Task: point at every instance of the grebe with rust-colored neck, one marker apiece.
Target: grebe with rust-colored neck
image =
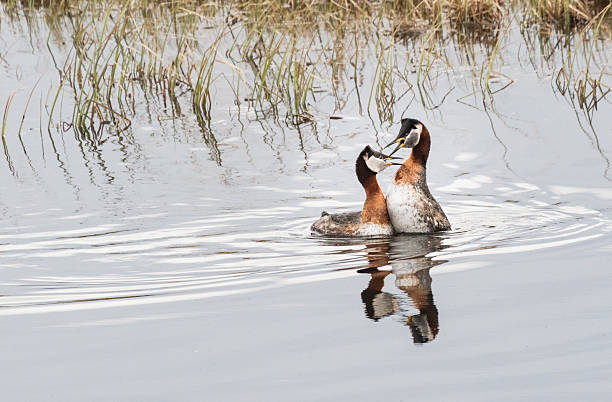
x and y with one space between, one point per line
411 207
373 219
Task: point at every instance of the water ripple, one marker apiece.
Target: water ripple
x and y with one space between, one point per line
157 258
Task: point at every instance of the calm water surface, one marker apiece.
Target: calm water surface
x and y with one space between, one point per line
167 264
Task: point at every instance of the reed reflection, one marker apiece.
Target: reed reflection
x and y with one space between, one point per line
407 258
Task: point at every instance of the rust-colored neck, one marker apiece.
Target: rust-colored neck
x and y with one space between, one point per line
420 152
375 207
413 170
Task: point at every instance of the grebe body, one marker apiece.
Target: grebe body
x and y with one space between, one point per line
350 224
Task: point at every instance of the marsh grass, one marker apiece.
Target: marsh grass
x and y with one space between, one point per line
5 116
565 15
280 57
478 15
575 50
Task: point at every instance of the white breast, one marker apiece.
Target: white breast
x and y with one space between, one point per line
373 229
403 205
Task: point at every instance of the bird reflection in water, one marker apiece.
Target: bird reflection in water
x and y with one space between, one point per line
407 257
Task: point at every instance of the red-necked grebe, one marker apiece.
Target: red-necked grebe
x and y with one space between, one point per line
411 207
373 219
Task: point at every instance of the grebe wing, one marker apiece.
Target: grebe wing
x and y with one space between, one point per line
346 218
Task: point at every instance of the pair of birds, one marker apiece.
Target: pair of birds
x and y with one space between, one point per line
409 206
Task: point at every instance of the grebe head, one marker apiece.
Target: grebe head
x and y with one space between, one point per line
409 135
375 161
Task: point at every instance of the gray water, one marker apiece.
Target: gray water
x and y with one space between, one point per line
163 265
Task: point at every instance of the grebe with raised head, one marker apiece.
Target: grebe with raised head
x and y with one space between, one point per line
373 219
411 207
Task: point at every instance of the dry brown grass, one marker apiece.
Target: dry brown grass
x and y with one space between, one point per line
280 52
480 14
565 15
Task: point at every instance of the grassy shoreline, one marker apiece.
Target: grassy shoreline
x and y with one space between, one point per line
276 56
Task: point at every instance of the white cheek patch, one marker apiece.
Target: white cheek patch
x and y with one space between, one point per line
414 136
376 165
